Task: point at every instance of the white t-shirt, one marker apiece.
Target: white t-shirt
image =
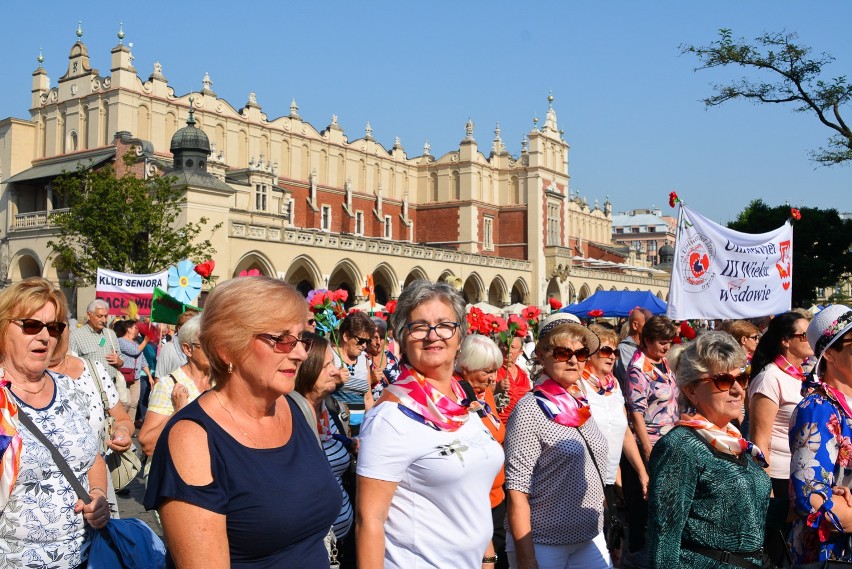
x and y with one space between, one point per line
786 392
608 413
440 514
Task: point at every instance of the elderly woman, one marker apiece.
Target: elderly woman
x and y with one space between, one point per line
356 331
176 390
426 463
317 379
555 459
43 523
820 434
652 405
708 494
773 395
224 471
512 382
477 364
92 379
383 363
135 368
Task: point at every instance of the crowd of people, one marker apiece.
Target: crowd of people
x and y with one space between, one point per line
415 439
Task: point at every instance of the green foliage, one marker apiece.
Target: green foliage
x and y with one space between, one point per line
794 77
125 224
822 245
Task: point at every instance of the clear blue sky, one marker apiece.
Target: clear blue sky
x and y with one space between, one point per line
629 103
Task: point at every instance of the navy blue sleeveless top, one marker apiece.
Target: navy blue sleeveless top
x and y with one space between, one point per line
279 503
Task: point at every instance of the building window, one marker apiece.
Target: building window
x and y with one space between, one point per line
821 292
359 223
325 222
553 233
261 196
619 230
634 230
288 210
652 245
388 227
488 233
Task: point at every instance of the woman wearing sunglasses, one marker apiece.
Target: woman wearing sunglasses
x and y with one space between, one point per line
820 435
42 522
237 475
426 462
708 493
554 459
356 331
772 397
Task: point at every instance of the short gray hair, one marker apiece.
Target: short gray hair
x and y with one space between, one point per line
709 353
96 304
190 331
477 353
418 292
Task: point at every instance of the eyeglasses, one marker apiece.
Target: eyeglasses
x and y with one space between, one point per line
312 322
803 337
362 341
285 343
421 330
725 381
31 326
606 351
561 354
755 337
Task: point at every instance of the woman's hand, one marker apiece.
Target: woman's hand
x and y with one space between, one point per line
120 440
96 512
844 492
356 445
180 396
643 480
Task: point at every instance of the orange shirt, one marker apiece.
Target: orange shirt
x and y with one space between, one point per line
497 494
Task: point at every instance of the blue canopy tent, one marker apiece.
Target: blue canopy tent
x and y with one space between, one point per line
617 303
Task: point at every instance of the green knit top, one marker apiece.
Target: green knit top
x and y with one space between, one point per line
703 497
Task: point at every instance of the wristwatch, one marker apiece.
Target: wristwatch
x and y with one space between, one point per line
491 559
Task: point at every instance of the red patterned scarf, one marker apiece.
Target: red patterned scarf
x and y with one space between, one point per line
566 407
420 397
789 368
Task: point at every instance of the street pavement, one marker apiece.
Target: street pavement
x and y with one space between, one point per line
130 506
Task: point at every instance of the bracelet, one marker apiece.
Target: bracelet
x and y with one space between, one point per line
492 559
122 428
101 490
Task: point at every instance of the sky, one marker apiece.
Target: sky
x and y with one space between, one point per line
628 101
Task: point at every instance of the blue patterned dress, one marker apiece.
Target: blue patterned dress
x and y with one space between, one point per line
821 445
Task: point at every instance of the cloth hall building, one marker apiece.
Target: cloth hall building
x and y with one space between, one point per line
308 204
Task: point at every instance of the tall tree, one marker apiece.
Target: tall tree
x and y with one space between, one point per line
822 245
792 76
126 224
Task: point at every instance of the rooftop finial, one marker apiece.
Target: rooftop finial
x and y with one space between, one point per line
550 99
79 29
120 33
40 58
190 120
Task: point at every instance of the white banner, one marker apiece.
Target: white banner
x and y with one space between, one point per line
118 289
722 273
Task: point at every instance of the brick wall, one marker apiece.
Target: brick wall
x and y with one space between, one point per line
436 224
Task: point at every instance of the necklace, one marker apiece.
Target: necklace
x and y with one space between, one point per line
237 425
36 392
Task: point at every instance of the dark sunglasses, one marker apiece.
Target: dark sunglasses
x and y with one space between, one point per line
362 341
725 381
564 354
286 343
606 351
803 337
31 326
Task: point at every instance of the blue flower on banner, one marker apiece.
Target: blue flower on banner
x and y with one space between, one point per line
184 283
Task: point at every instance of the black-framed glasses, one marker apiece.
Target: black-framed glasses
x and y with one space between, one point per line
725 381
754 337
606 351
361 340
312 321
421 330
31 326
561 354
285 343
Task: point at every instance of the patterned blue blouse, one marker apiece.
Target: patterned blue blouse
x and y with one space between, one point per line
821 445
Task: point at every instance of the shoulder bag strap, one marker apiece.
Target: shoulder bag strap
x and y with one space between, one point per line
303 404
594 461
93 371
57 457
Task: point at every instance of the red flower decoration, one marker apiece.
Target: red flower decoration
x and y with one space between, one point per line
390 307
339 295
596 313
687 331
205 269
554 303
495 324
795 214
250 273
474 320
531 313
519 324
673 199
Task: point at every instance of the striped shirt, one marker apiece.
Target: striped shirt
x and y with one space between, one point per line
339 460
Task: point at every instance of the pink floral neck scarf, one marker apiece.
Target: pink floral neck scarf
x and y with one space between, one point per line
566 407
789 368
428 405
727 440
603 386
